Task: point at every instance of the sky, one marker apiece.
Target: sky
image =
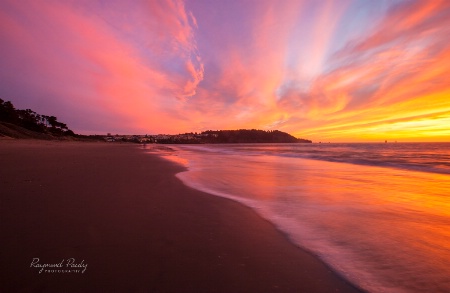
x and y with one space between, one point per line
330 71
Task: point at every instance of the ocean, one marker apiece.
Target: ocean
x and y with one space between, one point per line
377 214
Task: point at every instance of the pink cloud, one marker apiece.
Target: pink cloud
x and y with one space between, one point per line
84 62
403 23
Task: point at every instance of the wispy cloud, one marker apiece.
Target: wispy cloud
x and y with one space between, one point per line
122 63
396 70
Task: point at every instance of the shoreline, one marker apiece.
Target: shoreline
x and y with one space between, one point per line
137 227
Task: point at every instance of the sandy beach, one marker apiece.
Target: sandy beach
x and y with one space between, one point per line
120 216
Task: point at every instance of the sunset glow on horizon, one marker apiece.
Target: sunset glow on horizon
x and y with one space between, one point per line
338 71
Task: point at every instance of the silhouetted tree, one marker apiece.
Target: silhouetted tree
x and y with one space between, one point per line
7 111
32 120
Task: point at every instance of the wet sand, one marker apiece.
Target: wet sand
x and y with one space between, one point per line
123 216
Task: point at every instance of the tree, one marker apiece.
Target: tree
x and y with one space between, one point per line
31 120
7 111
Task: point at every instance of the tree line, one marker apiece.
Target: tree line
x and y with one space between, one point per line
250 136
31 120
228 136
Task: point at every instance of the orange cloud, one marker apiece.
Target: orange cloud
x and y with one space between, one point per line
394 85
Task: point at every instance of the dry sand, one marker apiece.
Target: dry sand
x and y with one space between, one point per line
126 216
